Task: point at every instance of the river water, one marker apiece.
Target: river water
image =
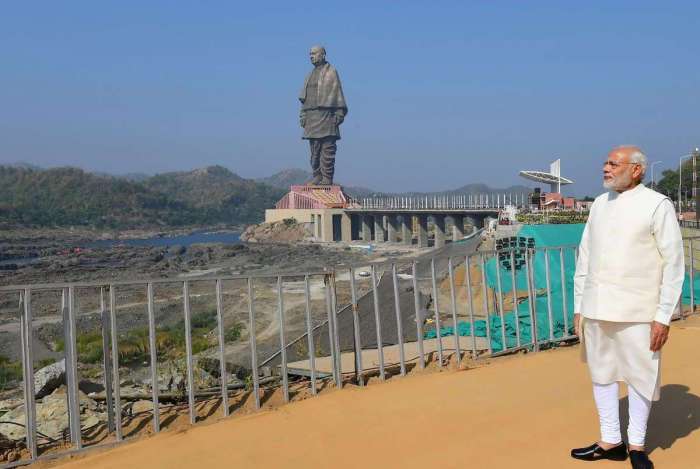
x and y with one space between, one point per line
183 240
164 241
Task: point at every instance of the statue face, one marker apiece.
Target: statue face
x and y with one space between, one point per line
317 56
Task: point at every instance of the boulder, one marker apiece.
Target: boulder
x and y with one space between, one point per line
51 416
47 379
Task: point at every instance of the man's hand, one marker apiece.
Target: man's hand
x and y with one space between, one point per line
577 324
339 119
659 336
302 121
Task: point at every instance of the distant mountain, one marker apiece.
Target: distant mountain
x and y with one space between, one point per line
217 194
71 196
134 177
475 188
286 178
294 176
21 165
484 189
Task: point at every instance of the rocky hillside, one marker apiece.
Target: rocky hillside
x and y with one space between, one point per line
285 231
73 197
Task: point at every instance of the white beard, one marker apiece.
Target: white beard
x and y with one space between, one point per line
619 182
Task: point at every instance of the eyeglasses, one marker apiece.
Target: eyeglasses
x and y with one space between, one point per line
614 164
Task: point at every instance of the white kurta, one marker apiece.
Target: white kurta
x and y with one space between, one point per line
629 273
619 351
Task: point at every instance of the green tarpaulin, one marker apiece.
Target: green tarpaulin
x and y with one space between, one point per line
543 236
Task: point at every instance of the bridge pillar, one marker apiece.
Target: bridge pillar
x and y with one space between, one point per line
379 229
475 222
406 229
439 222
367 221
422 231
457 227
392 226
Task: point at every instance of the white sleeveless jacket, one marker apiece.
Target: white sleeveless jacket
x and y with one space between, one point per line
630 265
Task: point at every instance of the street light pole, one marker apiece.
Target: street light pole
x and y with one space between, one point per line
653 180
680 178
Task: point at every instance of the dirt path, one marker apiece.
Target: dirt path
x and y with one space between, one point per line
524 411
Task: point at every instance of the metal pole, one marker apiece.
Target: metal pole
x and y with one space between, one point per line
470 301
253 347
72 374
485 302
453 304
531 299
419 320
309 335
283 340
222 348
563 292
436 308
359 370
106 361
377 322
154 358
336 338
28 372
514 290
188 351
499 293
331 335
692 277
399 326
549 294
115 362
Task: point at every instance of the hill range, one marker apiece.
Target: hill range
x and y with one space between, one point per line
60 197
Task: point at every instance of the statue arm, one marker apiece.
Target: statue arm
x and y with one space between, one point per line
339 114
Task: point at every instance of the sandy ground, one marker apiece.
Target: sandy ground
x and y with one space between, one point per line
520 411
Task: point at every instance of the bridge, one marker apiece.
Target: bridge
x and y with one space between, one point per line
334 216
398 219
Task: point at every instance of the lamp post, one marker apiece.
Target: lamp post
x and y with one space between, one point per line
680 178
653 180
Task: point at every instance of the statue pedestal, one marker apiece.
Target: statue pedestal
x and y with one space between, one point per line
322 208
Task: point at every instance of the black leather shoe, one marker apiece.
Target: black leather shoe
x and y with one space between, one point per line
595 452
640 460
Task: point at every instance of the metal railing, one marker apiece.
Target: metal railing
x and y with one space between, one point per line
384 318
446 202
690 224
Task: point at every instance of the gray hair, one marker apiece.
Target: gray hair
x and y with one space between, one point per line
638 157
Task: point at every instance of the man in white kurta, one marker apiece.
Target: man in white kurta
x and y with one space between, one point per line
627 285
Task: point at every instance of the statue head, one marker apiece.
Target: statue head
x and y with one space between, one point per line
318 55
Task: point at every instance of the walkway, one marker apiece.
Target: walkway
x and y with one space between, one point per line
522 411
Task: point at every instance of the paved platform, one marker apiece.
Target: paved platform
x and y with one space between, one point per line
524 411
370 357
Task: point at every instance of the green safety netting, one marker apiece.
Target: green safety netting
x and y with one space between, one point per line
557 236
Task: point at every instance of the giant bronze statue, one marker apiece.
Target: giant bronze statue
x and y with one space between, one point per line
323 109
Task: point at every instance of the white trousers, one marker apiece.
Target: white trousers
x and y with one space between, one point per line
606 399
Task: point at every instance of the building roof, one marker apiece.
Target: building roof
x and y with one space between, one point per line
549 178
315 197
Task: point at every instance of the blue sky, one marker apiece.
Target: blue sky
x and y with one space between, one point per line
440 94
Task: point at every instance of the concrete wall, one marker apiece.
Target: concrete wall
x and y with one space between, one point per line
300 215
321 221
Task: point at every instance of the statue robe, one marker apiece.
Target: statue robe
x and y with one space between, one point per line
323 103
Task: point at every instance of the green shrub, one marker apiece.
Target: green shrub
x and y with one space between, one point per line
10 372
233 332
